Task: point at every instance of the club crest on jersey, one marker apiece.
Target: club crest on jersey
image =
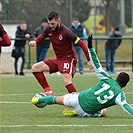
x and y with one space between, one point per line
60 37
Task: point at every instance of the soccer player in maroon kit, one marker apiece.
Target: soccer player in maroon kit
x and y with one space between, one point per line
62 39
5 40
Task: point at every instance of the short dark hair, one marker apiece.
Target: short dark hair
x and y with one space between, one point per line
123 78
76 18
54 15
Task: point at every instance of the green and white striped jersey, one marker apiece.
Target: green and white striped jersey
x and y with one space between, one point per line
105 93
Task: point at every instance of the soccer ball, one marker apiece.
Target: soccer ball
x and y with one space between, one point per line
39 95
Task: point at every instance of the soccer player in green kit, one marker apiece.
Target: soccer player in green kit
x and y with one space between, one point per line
93 101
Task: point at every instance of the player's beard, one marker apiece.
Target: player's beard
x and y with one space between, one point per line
56 29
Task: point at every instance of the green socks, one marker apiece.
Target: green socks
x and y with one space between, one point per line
47 99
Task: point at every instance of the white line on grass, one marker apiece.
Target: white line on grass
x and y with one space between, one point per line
15 102
5 102
16 126
128 93
2 95
16 94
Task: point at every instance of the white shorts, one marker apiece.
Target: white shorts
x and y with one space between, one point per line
71 100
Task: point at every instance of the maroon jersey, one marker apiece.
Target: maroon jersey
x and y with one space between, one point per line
62 41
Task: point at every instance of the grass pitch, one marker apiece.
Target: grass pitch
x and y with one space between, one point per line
18 115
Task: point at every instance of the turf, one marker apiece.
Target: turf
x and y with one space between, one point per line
18 115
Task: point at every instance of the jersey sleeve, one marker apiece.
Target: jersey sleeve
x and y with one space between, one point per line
77 41
39 39
101 74
42 36
80 43
121 101
70 36
5 40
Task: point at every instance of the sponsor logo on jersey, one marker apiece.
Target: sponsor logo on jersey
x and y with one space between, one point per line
50 34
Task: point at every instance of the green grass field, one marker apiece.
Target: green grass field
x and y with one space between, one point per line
18 115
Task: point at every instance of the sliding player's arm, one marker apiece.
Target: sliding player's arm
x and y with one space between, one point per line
121 101
101 74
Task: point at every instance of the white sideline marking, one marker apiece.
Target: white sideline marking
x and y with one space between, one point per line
15 102
16 94
128 93
122 125
6 102
23 94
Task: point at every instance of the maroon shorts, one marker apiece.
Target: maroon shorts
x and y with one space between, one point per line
66 66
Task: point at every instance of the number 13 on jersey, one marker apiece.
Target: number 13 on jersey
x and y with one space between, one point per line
104 95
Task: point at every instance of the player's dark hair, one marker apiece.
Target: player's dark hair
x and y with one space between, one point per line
122 79
54 15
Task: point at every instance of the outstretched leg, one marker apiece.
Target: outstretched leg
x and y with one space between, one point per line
49 100
37 70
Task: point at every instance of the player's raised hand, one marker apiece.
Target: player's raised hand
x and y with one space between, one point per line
32 43
89 40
